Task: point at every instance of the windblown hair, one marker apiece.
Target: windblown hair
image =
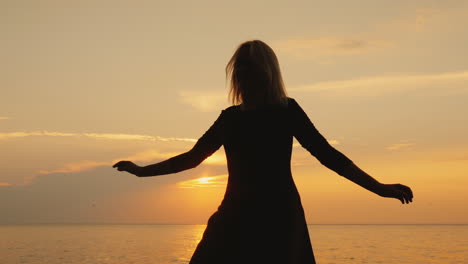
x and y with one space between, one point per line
255 76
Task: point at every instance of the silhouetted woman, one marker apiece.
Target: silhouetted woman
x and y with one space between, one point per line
261 219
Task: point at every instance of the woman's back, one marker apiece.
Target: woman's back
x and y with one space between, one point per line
258 145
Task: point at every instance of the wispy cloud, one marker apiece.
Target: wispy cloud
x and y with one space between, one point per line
93 135
135 137
144 156
204 101
85 165
4 117
205 182
399 146
329 45
75 167
379 37
446 82
378 85
71 167
4 184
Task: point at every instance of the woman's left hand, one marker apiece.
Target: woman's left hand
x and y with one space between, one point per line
398 191
127 166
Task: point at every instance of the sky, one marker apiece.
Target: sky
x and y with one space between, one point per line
87 83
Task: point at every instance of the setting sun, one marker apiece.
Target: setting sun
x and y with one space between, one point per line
208 181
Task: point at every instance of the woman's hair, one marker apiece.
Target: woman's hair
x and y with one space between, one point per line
255 76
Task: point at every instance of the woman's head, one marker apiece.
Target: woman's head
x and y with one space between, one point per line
255 76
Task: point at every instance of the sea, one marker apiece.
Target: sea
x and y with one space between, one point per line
164 244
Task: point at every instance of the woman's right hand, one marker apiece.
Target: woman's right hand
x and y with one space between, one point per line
128 166
398 191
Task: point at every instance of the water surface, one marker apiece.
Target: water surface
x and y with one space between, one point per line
164 244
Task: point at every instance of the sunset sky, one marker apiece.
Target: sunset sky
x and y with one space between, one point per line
87 83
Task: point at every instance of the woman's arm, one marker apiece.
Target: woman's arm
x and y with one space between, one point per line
175 164
361 178
311 139
205 146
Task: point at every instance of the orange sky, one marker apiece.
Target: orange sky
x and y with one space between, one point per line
84 84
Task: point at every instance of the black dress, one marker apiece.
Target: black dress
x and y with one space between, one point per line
261 219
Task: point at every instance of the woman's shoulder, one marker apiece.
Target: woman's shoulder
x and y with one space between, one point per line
290 103
231 108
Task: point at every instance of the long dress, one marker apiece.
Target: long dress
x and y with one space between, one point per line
261 218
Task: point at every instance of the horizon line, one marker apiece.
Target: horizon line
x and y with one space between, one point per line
104 223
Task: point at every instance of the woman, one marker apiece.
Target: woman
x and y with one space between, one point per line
261 219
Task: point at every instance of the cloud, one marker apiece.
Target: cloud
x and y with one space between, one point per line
399 146
4 184
145 156
9 135
205 182
4 117
379 85
329 45
204 101
76 167
72 167
93 135
379 37
86 165
446 82
135 137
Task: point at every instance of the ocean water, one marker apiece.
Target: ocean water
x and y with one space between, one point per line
164 244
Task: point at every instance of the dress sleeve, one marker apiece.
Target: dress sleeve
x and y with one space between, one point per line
311 139
212 139
206 145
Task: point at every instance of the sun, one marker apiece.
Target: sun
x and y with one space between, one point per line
204 180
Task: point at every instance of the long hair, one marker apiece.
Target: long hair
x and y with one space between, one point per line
255 76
